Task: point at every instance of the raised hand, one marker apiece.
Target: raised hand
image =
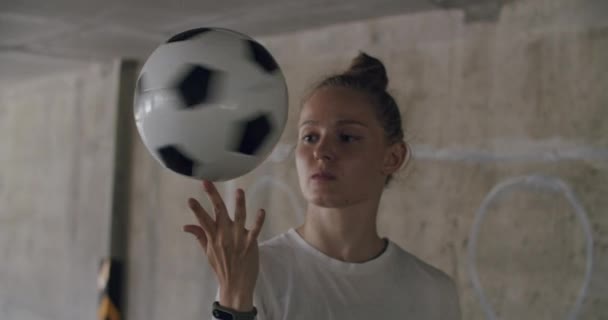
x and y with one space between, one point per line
231 249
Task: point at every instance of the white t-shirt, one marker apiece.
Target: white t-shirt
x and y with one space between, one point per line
299 282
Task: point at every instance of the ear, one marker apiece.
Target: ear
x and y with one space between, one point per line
396 155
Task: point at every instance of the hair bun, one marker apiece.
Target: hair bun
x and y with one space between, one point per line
368 70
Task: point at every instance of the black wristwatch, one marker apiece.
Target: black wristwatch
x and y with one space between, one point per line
224 313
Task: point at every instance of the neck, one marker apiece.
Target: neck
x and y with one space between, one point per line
346 234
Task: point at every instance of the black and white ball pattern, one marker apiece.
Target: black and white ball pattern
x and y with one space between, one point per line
210 104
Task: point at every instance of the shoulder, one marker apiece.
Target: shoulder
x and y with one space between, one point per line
424 269
437 283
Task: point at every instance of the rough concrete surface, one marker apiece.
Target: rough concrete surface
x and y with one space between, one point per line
57 150
483 103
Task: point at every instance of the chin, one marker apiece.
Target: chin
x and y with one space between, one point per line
328 201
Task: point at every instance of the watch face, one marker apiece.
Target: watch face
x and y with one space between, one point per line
222 315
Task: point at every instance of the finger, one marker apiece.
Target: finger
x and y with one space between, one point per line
221 214
259 222
240 214
198 232
205 221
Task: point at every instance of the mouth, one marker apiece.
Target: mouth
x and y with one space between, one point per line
323 176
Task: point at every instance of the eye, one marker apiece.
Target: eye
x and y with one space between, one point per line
348 138
309 138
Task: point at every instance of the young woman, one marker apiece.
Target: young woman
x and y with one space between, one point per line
335 265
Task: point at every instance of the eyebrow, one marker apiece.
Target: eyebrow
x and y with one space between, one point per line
339 122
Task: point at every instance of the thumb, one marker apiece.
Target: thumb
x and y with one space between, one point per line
198 232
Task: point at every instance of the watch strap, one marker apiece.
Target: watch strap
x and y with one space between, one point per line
225 313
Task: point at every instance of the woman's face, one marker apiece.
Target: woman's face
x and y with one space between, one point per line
341 154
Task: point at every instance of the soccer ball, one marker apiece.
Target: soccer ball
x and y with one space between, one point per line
210 104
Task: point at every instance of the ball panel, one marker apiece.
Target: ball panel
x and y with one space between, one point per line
254 132
232 166
196 86
176 160
200 133
262 57
189 34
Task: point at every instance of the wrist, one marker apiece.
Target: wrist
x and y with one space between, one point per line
236 300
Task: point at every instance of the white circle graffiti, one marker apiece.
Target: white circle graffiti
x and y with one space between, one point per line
535 181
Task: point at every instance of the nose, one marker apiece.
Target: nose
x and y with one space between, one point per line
324 150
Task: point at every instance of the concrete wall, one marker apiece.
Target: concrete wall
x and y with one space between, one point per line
57 138
483 104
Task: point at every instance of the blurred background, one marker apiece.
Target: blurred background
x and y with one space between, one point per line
505 103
